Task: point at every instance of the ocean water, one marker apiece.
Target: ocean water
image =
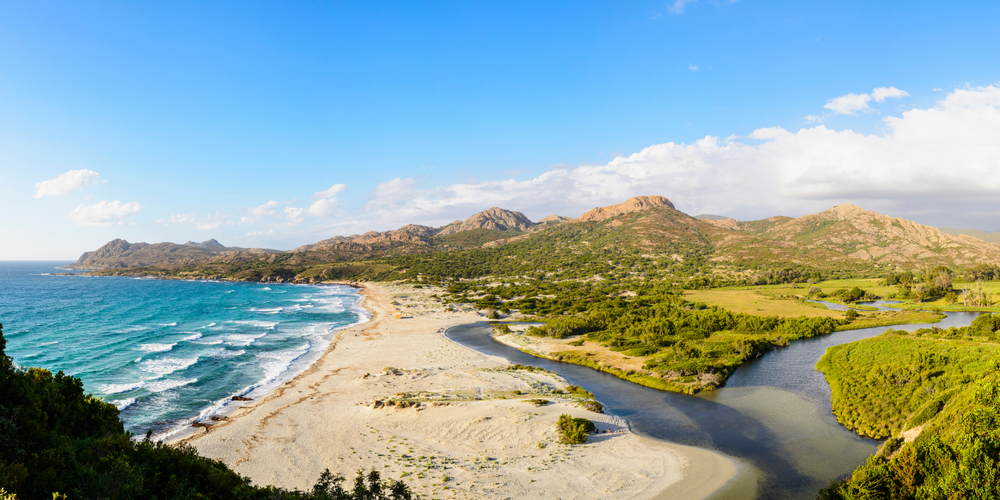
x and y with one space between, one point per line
168 352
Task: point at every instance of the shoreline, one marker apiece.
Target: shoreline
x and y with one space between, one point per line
225 407
465 426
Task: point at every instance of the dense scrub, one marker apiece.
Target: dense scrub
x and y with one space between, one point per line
689 345
956 456
945 380
878 384
56 438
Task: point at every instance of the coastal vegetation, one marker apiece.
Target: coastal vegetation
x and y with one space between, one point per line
56 438
935 393
574 430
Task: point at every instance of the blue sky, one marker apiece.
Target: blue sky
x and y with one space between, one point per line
172 121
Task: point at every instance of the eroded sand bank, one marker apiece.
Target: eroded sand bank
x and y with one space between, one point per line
474 434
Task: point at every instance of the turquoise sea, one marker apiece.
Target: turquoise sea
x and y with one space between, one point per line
168 352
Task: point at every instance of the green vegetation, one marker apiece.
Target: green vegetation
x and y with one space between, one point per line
688 347
878 383
574 430
957 458
56 438
940 385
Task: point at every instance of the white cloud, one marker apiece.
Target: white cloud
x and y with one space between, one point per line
103 213
848 104
391 193
678 6
813 118
881 93
692 67
938 160
74 179
851 104
253 214
323 208
202 223
294 215
329 193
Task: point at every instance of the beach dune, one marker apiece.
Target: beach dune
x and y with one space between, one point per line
395 395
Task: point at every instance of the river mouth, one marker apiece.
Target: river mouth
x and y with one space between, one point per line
773 415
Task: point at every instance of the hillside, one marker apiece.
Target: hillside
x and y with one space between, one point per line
118 253
848 233
642 235
993 237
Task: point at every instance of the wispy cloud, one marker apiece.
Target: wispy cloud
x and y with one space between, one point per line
329 193
880 94
851 104
692 67
104 213
69 181
678 6
200 222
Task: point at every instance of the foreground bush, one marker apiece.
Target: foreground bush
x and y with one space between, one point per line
56 438
574 430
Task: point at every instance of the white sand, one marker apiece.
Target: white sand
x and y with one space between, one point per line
485 442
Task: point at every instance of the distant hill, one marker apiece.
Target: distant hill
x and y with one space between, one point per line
710 217
119 254
649 228
993 237
852 232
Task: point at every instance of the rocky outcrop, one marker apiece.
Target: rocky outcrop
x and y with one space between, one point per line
410 233
496 219
211 245
856 233
726 223
636 204
119 254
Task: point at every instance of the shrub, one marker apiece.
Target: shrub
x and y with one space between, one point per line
574 430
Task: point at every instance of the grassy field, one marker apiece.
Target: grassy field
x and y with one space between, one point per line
762 302
778 300
755 300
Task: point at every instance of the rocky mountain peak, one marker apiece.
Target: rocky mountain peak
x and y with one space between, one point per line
496 218
846 211
635 204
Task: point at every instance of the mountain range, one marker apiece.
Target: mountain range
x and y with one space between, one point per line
842 237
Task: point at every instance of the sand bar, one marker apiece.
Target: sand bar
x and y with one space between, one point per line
466 428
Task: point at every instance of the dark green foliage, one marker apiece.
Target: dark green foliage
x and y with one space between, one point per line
501 329
852 295
55 437
574 430
879 384
982 272
894 279
957 459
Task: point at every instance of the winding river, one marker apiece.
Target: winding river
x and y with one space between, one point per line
773 416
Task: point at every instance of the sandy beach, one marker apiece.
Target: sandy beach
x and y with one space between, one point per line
460 424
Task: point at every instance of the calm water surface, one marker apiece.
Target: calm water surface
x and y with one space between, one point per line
773 416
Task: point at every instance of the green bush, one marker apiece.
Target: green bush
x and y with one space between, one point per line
574 430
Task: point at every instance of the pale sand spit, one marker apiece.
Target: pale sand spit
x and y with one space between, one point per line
471 436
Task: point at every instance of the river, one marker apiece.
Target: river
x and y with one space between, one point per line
773 416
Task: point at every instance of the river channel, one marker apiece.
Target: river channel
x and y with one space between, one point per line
773 416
